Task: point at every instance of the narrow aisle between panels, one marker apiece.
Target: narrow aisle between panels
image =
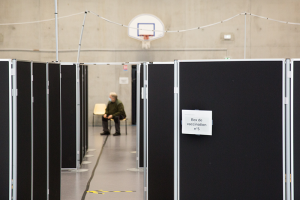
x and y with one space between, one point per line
112 179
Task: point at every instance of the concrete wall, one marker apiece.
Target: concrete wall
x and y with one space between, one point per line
104 79
105 42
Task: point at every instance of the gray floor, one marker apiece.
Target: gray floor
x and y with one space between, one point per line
111 173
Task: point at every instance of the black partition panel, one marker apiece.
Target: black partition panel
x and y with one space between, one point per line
68 104
141 150
83 111
243 157
5 129
161 131
24 142
296 126
133 93
39 131
54 132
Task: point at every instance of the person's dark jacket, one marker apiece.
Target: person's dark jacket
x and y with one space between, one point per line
115 108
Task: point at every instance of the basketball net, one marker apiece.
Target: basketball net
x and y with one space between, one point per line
145 42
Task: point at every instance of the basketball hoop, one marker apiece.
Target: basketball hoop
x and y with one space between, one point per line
146 37
145 41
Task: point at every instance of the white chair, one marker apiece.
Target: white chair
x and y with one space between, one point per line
99 109
125 119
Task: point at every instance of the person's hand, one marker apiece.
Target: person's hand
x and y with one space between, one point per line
105 116
110 117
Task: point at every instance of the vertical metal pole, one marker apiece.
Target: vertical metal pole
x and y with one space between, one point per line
86 108
56 30
288 133
47 99
77 115
13 132
292 130
145 131
60 125
78 97
176 131
79 46
245 42
138 96
147 100
32 102
283 130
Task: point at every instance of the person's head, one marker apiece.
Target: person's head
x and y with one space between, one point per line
113 96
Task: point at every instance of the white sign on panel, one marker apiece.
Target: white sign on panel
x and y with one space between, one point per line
197 122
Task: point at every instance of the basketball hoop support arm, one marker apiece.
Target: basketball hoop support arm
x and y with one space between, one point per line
79 46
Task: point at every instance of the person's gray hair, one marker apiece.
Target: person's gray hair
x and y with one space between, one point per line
114 95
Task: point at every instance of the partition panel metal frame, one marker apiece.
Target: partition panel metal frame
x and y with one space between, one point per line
177 120
47 125
146 98
292 128
83 112
113 63
86 108
145 91
176 132
12 123
13 130
78 99
138 98
77 113
60 120
138 107
32 101
288 127
54 131
14 75
77 116
13 93
47 103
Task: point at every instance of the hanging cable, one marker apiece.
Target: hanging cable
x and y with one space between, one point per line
196 28
46 20
275 20
166 31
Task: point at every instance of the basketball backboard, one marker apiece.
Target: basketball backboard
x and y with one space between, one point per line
146 27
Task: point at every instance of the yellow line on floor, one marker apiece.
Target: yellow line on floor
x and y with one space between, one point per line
103 192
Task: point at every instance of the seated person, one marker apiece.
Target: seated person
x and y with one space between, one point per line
114 110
